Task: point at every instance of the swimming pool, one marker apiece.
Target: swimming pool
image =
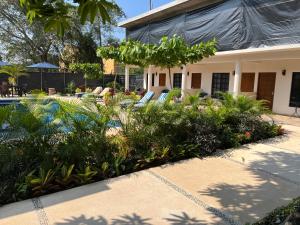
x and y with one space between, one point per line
47 111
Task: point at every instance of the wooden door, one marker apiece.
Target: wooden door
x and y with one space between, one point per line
162 79
247 83
266 87
196 81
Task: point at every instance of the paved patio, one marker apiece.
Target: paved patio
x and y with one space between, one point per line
239 186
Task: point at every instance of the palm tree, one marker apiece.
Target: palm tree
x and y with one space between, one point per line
14 71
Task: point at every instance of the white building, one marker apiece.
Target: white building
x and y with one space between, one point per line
258 48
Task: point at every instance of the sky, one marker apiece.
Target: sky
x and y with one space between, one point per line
135 7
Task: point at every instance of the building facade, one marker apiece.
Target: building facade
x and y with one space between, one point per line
258 48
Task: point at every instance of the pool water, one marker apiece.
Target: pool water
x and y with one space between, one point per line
49 108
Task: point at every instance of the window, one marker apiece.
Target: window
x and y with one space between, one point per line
220 83
177 80
153 79
162 79
247 83
295 90
196 81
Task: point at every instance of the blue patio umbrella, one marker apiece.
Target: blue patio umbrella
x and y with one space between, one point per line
41 66
2 63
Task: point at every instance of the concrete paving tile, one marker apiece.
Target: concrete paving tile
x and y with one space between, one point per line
236 189
20 213
290 141
283 163
295 121
134 199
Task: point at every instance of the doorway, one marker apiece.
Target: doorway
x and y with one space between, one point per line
266 87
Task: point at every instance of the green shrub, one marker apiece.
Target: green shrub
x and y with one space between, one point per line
70 144
71 87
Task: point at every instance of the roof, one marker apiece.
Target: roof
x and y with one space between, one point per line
165 11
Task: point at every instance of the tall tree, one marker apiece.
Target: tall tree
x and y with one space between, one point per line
25 42
21 40
170 52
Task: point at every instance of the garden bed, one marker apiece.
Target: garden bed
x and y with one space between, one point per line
65 145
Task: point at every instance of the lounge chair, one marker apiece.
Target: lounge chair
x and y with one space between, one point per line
162 98
147 97
96 93
104 92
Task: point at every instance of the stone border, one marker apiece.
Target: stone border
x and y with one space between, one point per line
40 211
224 216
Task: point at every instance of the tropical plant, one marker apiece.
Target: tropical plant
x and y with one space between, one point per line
71 87
66 177
55 13
169 53
75 144
14 71
42 183
242 104
174 52
174 94
86 175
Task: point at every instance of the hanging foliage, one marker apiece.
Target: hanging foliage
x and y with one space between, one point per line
169 53
55 13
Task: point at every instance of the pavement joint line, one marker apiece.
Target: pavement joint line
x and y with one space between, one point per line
263 171
224 216
40 211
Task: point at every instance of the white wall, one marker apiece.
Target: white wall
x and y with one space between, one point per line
282 85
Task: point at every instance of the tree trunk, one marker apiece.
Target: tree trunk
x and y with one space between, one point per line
44 57
171 85
100 43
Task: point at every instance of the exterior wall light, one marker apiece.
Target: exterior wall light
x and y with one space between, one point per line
283 72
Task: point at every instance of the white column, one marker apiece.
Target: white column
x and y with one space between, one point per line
145 80
149 78
127 77
256 82
237 78
183 81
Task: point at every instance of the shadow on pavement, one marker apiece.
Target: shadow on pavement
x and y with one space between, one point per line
250 202
132 219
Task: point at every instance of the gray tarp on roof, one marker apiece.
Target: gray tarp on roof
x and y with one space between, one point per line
236 24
